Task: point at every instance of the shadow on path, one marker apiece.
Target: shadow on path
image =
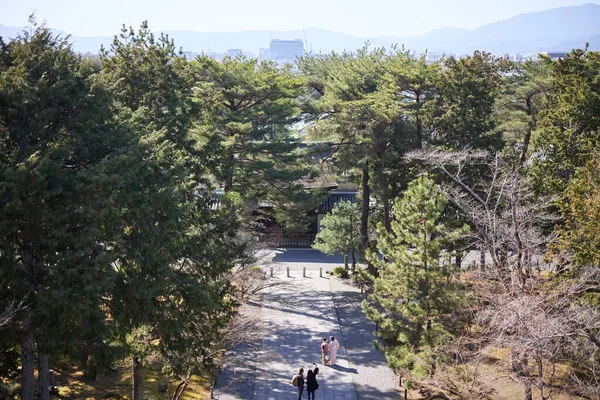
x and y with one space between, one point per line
296 316
305 256
343 369
372 378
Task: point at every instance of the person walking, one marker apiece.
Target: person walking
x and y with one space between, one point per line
311 382
324 351
334 346
300 383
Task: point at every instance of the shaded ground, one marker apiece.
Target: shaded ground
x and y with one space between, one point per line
296 316
373 380
118 385
296 259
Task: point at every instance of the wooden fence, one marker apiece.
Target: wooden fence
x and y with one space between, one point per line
290 240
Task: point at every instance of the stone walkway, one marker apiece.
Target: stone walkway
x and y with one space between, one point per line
373 380
296 316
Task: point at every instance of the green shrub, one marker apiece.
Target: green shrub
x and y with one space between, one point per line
163 386
341 271
4 393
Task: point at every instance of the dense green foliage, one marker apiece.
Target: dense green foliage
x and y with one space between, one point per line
461 113
415 289
57 141
340 231
130 184
246 114
498 135
581 210
568 126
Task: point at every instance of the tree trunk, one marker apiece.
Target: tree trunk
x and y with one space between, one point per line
419 133
43 381
353 261
418 120
387 218
138 378
527 137
27 357
228 184
515 360
90 372
540 365
179 390
528 391
482 258
519 363
364 217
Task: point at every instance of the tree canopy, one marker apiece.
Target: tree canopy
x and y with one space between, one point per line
134 186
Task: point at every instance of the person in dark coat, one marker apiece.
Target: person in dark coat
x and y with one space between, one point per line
300 383
311 383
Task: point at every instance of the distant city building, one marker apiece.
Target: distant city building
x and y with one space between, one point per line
264 54
286 50
233 53
214 55
555 55
189 55
433 56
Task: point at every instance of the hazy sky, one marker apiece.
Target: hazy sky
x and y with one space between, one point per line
356 17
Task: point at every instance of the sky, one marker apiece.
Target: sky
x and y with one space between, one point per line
361 18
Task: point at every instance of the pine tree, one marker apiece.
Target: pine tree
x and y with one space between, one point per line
579 235
461 113
172 244
56 131
568 127
247 110
340 231
522 98
415 291
365 123
411 82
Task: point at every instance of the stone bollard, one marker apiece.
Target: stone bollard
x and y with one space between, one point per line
288 271
304 272
271 272
321 272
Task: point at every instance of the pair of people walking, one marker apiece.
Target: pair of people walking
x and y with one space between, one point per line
328 357
311 383
329 351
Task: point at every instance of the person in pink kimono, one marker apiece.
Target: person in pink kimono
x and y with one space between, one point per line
334 346
325 352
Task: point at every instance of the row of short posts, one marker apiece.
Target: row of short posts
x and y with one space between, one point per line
303 272
288 271
405 389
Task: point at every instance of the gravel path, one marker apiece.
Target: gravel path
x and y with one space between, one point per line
373 380
296 315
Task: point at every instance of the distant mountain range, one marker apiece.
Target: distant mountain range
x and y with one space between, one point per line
558 29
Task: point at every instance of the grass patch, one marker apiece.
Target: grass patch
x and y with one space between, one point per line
118 385
341 272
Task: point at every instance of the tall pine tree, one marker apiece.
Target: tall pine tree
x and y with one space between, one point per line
415 290
245 123
341 231
56 133
172 244
568 125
